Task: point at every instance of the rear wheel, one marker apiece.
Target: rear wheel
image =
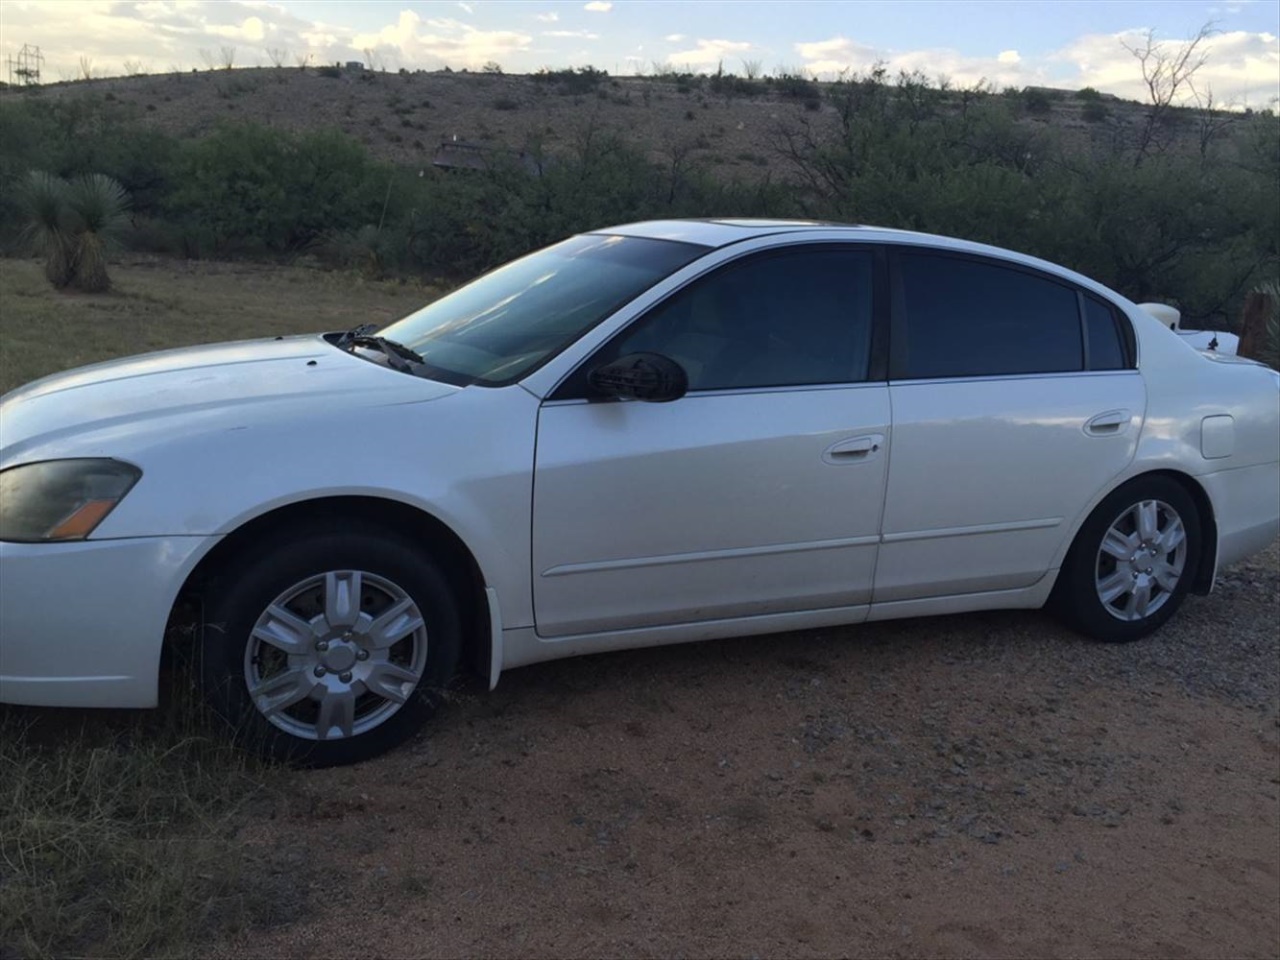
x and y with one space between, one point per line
1132 562
331 648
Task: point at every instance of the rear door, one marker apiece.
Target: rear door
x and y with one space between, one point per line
1015 400
760 491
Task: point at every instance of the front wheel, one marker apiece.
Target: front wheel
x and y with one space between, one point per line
1132 562
329 649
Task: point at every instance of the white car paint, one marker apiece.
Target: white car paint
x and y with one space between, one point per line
1217 341
938 515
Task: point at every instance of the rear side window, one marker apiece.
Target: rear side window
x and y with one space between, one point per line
1105 349
971 318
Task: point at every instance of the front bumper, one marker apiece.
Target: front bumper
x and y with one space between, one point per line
82 624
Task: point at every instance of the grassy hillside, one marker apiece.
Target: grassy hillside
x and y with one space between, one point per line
731 125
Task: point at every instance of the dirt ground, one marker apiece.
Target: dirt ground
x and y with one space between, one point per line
986 785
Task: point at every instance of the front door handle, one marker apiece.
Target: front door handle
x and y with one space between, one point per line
854 449
1109 424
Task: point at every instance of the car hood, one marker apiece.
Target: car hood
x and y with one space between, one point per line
109 407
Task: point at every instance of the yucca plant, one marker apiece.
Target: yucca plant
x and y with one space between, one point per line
47 231
73 225
98 211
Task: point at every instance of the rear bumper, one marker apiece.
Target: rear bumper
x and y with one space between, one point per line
82 624
1246 507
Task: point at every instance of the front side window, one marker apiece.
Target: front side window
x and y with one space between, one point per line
972 318
500 327
782 319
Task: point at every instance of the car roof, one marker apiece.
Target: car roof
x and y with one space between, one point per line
718 232
722 232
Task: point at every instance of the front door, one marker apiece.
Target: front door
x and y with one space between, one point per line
758 492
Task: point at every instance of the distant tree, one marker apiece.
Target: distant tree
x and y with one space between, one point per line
277 56
1169 74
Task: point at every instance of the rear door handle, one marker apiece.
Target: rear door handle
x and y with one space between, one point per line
854 449
1109 424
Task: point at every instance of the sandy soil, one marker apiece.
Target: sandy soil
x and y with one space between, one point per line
987 785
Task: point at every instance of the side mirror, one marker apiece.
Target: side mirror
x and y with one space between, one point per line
640 376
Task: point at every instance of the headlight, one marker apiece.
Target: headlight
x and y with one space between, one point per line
61 499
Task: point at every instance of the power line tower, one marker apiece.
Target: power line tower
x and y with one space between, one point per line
24 69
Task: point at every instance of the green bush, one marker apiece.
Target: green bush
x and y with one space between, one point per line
1036 101
253 189
572 81
794 86
1095 111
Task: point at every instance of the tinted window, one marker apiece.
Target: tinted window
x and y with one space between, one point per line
501 326
967 318
784 319
1105 351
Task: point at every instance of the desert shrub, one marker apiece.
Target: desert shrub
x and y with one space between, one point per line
794 86
332 71
257 189
1095 111
1036 101
1088 93
73 137
506 103
571 81
729 85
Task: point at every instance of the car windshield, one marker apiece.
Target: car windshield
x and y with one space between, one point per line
501 326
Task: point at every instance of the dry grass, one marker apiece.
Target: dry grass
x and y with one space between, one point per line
157 304
119 836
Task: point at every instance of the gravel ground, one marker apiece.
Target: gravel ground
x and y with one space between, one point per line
985 785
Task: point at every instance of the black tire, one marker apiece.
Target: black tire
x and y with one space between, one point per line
390 567
1078 594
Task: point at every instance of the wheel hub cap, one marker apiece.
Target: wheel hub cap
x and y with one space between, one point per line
339 657
1141 560
335 655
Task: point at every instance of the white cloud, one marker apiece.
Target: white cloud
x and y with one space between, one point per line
411 39
709 53
466 7
673 37
598 6
582 34
551 17
826 58
1241 68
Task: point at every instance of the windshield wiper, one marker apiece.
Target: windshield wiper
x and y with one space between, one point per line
396 353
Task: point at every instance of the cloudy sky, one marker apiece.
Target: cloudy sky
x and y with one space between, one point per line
1066 43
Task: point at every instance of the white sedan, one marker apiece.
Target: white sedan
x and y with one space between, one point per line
650 434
